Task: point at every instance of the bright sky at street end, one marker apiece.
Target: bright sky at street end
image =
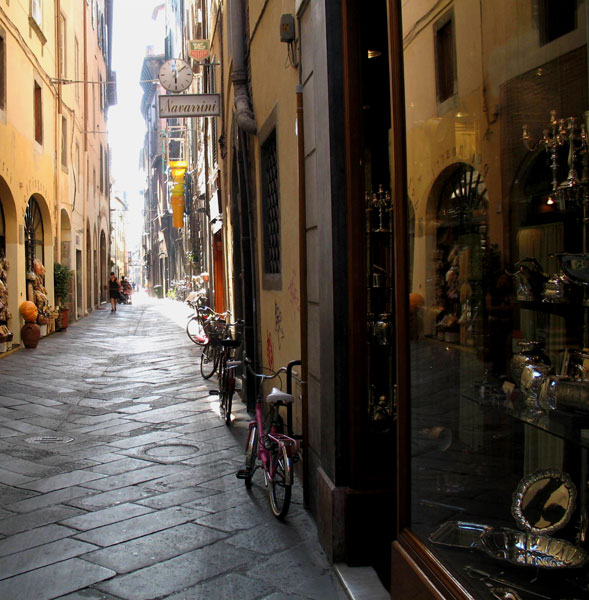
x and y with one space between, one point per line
133 31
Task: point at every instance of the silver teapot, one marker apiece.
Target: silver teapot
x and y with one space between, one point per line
529 279
531 353
557 289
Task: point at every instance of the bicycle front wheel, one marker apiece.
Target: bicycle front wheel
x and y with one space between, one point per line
195 331
280 488
251 454
208 361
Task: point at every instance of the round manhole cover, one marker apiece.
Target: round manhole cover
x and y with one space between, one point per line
45 440
171 451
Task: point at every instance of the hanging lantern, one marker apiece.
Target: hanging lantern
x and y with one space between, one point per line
177 170
178 211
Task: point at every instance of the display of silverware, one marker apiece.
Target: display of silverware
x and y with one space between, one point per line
531 550
533 376
529 279
557 289
563 393
576 364
576 266
531 353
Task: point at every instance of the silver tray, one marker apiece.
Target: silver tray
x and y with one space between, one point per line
458 534
530 549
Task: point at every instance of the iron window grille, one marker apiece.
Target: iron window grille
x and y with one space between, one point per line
270 206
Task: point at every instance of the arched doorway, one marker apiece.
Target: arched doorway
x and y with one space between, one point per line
88 270
461 254
102 266
66 239
9 292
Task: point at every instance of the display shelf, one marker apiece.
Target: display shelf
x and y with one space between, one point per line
569 426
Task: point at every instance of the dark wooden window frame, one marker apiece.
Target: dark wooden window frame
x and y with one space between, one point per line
38 111
445 57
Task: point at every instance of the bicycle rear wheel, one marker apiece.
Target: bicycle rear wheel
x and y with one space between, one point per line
208 361
251 454
195 331
280 488
228 396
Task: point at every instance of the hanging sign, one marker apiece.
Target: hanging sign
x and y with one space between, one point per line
199 49
189 105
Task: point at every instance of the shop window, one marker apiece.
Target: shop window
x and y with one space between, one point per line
34 234
101 180
445 49
270 206
38 108
37 12
64 142
557 18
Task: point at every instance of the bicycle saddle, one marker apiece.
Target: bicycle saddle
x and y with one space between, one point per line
277 395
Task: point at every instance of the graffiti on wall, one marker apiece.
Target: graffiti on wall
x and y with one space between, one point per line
269 350
294 291
278 324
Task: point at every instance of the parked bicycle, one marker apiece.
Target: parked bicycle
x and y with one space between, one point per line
228 361
216 328
270 448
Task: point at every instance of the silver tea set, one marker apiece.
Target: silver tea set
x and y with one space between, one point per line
542 387
569 286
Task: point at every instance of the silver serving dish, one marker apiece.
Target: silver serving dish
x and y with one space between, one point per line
531 550
532 378
458 534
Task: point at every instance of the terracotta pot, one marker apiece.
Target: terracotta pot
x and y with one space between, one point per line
30 335
63 321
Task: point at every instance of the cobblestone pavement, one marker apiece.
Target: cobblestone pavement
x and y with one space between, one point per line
117 475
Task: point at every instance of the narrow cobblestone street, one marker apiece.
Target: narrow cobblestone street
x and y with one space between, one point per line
117 475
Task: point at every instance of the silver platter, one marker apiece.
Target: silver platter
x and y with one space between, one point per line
530 549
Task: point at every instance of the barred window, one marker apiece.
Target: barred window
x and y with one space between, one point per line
270 206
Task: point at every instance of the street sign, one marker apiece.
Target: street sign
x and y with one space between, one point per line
189 105
199 49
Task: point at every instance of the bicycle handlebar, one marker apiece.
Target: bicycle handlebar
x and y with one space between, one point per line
262 376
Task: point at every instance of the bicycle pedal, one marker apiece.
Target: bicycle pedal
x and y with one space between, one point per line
242 474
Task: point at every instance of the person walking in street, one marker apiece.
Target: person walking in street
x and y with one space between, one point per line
113 291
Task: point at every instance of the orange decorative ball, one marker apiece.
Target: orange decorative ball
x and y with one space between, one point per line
415 302
29 311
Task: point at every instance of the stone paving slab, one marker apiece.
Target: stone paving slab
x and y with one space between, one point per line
34 537
139 526
53 581
41 556
155 548
178 573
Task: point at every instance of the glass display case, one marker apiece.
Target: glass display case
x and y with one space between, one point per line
497 171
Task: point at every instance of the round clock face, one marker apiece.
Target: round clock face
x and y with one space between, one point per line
176 75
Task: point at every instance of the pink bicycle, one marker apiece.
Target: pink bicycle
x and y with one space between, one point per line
270 448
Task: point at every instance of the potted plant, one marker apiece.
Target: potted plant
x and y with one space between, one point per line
62 277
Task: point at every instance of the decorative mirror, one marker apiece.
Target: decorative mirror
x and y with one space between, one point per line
544 501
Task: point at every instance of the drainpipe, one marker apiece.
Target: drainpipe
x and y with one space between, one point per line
243 113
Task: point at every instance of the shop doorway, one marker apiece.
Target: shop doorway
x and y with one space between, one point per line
219 272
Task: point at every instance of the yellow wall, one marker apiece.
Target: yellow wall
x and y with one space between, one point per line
274 103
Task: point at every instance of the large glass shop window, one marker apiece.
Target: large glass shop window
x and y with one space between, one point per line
498 189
